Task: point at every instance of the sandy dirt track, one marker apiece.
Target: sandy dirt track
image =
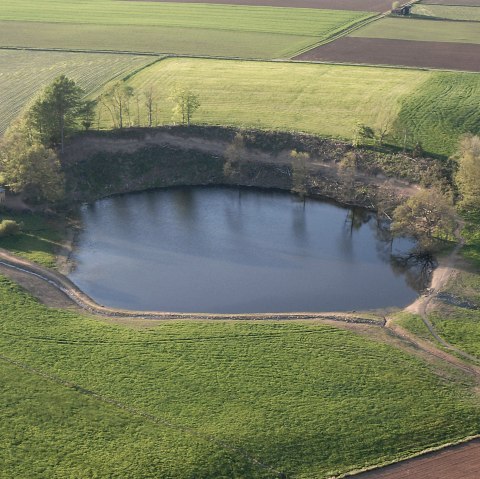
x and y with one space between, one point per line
456 462
379 51
355 5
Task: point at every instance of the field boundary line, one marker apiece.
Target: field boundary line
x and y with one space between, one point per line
138 412
167 56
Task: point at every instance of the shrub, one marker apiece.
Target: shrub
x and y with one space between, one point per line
9 228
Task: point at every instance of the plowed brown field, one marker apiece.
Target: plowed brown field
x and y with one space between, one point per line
355 5
456 462
379 51
468 3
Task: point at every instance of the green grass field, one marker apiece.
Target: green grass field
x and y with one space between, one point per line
23 74
302 398
200 29
137 38
324 99
421 30
442 110
448 12
328 100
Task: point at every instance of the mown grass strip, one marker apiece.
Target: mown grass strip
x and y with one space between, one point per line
148 39
448 12
293 21
421 30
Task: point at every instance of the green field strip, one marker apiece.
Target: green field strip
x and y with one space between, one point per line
23 74
446 12
160 40
421 30
323 99
292 21
441 110
309 399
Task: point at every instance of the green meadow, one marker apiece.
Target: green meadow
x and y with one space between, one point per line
212 399
448 12
442 110
324 99
23 74
421 30
329 100
151 39
206 29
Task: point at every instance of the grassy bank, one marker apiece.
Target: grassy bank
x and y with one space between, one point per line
39 239
307 399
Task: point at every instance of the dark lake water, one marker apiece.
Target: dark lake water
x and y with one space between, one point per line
227 250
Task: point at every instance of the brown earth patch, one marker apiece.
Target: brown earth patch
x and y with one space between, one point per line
355 5
379 51
456 462
459 3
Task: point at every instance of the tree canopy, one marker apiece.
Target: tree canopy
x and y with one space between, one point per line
58 111
27 166
426 216
468 174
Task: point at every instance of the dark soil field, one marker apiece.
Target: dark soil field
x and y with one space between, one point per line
468 3
458 462
355 5
378 51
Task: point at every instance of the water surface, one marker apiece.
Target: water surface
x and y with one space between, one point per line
228 250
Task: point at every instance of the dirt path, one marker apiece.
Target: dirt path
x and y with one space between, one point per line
461 461
317 166
441 276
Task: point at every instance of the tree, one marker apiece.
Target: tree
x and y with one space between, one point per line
468 173
186 103
117 101
426 216
299 173
150 100
29 167
58 111
362 134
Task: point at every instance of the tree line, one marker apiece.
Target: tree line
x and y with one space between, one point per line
430 216
30 148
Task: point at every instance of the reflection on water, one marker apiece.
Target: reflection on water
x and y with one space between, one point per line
216 250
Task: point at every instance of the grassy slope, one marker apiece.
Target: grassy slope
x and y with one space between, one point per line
308 399
461 326
421 30
263 32
442 109
198 41
23 74
448 12
324 99
39 240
